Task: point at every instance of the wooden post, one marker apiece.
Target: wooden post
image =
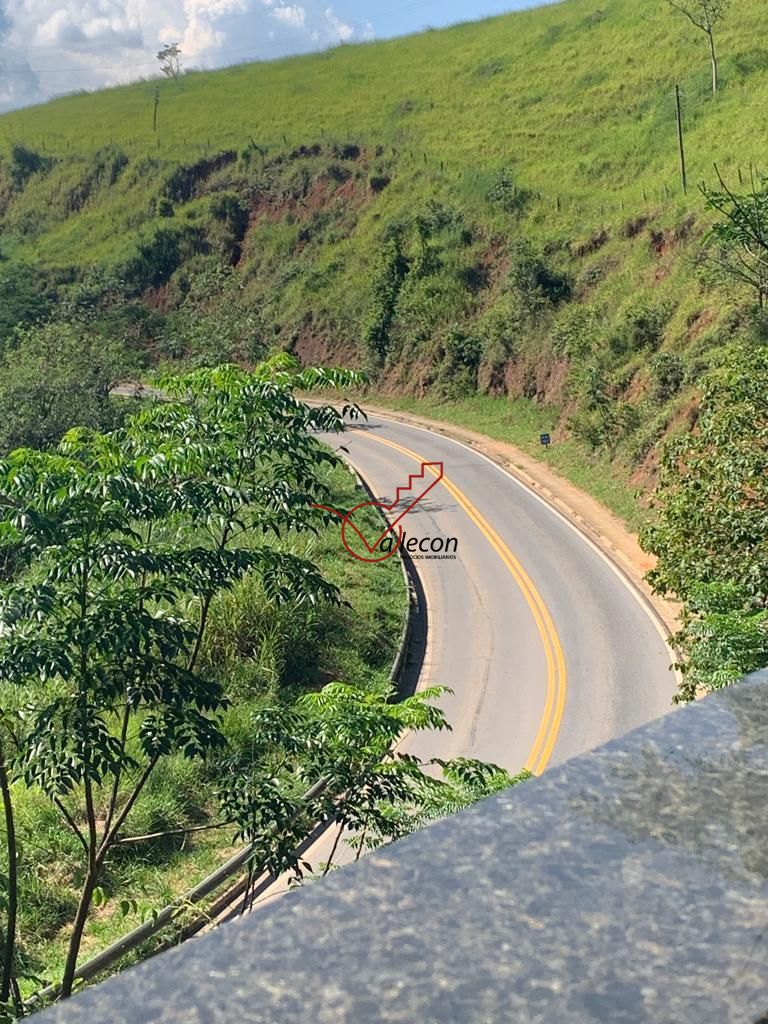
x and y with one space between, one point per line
154 112
680 145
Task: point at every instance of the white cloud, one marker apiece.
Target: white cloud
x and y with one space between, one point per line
52 46
339 29
289 14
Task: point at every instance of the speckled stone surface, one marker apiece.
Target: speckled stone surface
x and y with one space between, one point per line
630 885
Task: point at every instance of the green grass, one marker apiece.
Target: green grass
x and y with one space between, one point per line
573 103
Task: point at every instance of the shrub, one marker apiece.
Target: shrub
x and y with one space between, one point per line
53 378
26 162
457 374
574 331
639 327
508 196
536 284
389 273
23 300
667 373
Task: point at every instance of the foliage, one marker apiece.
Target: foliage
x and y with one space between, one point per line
53 377
536 284
348 738
25 162
389 274
212 323
639 327
736 247
574 332
23 300
668 373
128 538
724 637
457 375
711 519
170 60
711 524
504 193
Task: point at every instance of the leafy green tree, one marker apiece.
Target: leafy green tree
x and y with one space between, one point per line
127 538
711 524
373 792
54 377
724 637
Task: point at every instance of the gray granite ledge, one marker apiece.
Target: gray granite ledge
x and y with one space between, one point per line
629 885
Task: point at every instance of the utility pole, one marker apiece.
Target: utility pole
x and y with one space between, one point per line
154 112
680 139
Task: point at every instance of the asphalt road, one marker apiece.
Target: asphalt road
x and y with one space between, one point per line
548 649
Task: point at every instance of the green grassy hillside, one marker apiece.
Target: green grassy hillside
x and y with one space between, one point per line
492 207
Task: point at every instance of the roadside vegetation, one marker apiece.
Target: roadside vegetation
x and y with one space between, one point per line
182 658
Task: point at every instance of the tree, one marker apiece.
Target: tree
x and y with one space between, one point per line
372 792
127 538
736 248
712 521
53 377
723 638
705 15
170 60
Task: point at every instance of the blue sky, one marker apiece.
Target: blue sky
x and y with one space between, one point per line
48 47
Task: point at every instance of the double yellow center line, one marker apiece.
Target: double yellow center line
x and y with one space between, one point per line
554 707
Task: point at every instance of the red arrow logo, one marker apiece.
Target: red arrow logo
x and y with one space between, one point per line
417 487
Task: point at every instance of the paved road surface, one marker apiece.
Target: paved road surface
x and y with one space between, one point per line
547 648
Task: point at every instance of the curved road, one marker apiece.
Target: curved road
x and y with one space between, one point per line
548 649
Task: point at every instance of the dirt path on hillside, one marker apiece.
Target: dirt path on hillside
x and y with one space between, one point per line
602 527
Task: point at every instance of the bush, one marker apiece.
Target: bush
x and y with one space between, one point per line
508 196
499 331
389 273
574 331
457 373
53 378
26 162
639 327
536 284
23 300
667 373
